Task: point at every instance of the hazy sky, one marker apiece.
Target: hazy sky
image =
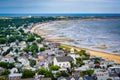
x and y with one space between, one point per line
59 6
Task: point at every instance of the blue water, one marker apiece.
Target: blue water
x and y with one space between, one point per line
97 15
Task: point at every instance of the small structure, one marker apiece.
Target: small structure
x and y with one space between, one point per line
14 75
72 50
24 61
40 56
71 78
45 79
63 61
101 74
114 72
76 78
83 68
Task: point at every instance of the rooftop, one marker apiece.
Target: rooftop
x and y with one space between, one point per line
64 58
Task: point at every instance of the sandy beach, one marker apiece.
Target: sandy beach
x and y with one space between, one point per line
105 55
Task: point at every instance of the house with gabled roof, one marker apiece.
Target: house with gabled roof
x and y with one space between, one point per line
63 61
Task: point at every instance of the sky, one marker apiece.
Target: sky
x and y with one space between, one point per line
59 6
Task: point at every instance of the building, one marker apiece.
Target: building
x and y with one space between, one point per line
24 61
101 74
63 61
114 72
14 75
76 78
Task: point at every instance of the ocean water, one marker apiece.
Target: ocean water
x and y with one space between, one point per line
97 15
101 35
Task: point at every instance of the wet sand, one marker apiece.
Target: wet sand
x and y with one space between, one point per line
107 56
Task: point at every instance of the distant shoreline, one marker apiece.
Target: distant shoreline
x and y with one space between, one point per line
105 55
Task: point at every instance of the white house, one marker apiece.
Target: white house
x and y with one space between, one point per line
82 68
114 72
14 75
9 60
63 61
24 61
101 74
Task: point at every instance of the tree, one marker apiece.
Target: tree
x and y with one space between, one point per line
82 52
72 64
42 71
90 72
11 39
3 64
52 67
42 49
63 74
36 35
109 79
5 72
46 73
11 65
27 48
34 48
2 78
32 62
58 74
16 50
21 30
39 40
3 40
7 65
87 72
30 38
28 73
19 38
79 62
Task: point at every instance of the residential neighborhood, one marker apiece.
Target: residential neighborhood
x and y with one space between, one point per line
25 55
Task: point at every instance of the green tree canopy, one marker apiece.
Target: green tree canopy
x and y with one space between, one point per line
34 48
28 73
5 72
32 62
82 52
7 65
52 67
46 73
30 38
3 40
21 30
2 78
42 49
63 74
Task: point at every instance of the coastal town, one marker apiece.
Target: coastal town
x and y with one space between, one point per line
25 55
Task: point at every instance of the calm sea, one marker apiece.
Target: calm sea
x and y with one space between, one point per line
99 15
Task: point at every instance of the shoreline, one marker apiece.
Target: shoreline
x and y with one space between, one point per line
105 55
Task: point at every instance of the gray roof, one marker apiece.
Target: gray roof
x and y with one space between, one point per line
64 58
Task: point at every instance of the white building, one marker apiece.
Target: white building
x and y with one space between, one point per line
73 55
63 61
82 68
24 61
9 60
14 75
101 74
